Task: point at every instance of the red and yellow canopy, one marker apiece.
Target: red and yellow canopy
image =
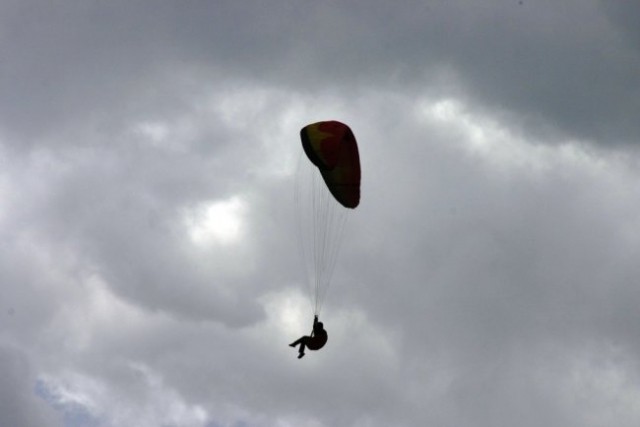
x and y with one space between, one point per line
332 147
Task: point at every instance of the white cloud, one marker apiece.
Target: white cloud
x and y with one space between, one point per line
218 222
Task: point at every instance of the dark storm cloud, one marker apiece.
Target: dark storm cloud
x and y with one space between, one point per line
624 15
570 66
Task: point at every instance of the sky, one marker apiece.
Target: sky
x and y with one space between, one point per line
150 273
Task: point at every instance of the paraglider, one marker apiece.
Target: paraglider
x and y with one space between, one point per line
315 341
322 207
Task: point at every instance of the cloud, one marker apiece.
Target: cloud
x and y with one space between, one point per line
149 272
19 404
567 68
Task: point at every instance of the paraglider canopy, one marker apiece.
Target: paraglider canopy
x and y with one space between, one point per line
332 147
323 205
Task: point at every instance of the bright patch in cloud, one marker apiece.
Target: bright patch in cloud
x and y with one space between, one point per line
154 131
289 310
491 141
172 136
218 222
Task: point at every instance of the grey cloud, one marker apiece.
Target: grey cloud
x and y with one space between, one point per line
561 67
481 282
19 404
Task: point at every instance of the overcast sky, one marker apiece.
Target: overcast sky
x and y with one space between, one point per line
149 269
